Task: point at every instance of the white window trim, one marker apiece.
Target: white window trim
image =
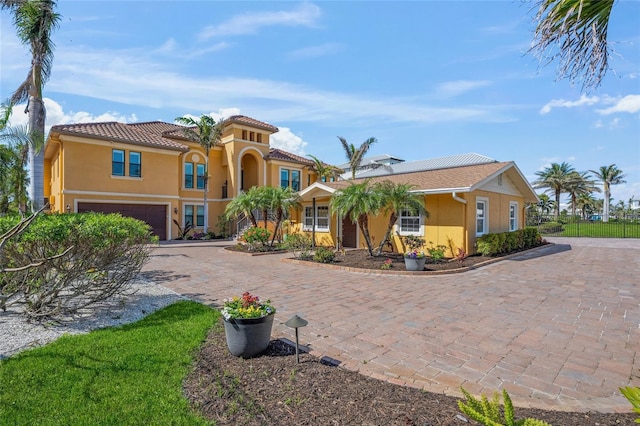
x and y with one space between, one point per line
515 219
307 228
195 213
485 222
290 177
420 233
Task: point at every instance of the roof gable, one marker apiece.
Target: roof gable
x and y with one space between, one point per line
278 154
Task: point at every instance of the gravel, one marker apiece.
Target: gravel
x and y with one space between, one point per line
142 298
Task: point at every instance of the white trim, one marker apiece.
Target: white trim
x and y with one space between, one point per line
419 233
513 204
485 219
118 194
316 185
133 178
315 213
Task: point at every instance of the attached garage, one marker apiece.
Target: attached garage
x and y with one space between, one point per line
154 215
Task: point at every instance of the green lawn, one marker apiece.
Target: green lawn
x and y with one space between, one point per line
598 229
114 376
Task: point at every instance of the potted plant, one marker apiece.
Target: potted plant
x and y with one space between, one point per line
414 259
247 324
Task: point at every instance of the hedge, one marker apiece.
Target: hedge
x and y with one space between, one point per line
508 242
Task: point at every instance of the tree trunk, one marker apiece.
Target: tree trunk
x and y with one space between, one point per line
392 220
363 222
607 195
37 116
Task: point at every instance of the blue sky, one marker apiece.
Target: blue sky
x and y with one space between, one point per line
427 79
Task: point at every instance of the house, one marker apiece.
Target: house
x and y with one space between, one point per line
152 172
466 195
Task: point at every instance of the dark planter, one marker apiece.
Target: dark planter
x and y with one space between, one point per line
414 264
248 337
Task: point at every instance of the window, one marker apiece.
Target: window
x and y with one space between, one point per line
409 222
117 162
513 216
284 178
188 215
290 179
252 136
189 210
482 215
322 218
188 175
259 137
295 180
244 135
135 164
200 173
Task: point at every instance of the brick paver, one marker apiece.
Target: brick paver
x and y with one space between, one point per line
557 327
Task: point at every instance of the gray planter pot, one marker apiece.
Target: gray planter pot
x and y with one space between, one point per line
248 337
417 264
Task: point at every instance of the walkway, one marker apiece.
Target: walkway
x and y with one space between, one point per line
558 328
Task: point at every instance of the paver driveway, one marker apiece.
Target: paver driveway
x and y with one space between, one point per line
557 327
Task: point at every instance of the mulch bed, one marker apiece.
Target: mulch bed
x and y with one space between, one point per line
273 389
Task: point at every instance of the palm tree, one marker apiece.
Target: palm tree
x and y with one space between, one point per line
358 201
587 205
557 179
580 183
575 32
545 204
281 200
395 198
325 172
355 155
34 20
243 204
16 157
207 133
609 175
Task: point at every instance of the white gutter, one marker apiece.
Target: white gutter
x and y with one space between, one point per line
458 199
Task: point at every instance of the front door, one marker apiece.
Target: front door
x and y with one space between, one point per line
349 233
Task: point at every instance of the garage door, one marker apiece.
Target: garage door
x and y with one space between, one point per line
154 215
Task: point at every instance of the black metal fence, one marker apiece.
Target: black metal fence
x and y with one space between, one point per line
621 226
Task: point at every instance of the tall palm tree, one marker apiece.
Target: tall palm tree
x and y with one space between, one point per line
395 198
586 203
325 172
545 204
207 133
575 32
609 175
34 20
358 201
355 155
556 179
580 183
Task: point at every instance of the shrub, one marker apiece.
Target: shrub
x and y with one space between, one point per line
300 245
488 412
57 264
551 227
508 242
633 395
256 237
324 255
413 242
437 252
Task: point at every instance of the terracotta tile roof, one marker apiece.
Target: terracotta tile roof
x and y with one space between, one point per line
463 177
156 127
120 132
251 122
278 154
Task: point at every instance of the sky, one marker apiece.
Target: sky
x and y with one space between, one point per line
426 78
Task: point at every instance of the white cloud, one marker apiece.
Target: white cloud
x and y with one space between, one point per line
456 88
584 100
316 51
56 115
629 103
286 140
306 14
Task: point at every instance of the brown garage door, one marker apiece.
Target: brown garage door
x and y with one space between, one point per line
154 215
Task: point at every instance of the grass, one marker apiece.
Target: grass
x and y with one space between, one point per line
121 375
599 229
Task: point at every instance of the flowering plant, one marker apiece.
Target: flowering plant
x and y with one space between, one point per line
247 306
414 254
